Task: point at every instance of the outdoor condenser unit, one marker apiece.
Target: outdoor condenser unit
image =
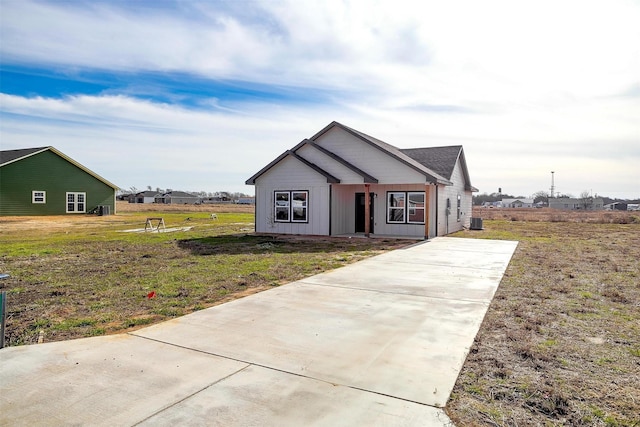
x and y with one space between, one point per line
476 223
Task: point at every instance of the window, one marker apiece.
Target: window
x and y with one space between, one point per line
38 197
291 206
282 206
459 207
395 207
299 206
76 202
416 208
405 207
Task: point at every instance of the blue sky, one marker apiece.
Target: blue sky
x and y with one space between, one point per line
199 95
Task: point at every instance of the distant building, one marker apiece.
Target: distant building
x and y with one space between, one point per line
143 197
633 206
615 206
517 203
247 201
572 204
177 198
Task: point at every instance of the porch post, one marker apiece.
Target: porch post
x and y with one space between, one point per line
427 210
367 211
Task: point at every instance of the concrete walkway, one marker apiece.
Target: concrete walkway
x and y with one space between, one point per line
376 343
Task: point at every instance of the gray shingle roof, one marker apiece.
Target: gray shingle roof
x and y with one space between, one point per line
441 160
8 156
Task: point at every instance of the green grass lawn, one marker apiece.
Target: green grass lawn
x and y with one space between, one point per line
85 276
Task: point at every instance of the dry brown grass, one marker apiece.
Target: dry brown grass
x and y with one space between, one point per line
560 344
212 208
555 215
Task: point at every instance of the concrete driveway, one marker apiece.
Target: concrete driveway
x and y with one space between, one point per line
379 342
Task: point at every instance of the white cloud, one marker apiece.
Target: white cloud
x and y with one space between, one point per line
527 87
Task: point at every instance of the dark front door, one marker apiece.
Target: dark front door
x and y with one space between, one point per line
360 213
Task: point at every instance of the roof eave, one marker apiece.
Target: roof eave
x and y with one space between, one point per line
330 178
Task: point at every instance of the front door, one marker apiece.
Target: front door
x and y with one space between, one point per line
360 213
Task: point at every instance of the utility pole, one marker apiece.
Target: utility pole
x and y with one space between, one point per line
552 184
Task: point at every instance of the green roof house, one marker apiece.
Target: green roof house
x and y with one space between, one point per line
43 181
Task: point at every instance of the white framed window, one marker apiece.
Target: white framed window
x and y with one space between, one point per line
38 196
299 206
406 207
396 205
76 202
459 214
416 205
291 206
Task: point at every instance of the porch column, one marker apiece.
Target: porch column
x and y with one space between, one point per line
427 210
367 211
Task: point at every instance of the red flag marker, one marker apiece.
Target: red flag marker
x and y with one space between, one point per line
151 294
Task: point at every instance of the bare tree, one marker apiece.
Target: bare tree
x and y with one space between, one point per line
540 196
586 200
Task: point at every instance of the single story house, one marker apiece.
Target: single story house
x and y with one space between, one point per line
342 182
517 203
177 198
143 197
44 181
568 203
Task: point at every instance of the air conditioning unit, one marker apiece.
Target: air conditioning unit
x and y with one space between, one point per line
476 223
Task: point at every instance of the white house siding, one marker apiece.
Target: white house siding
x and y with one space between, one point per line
368 158
451 192
292 175
326 163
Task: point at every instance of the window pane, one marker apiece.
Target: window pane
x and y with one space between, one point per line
299 206
71 207
416 207
396 215
282 199
282 206
395 207
282 214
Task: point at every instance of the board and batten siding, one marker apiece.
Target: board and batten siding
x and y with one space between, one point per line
368 158
344 212
450 223
293 175
46 171
315 156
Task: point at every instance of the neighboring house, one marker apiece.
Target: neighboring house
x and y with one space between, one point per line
43 181
341 182
148 196
615 206
217 199
586 204
247 201
497 204
633 206
517 203
177 198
